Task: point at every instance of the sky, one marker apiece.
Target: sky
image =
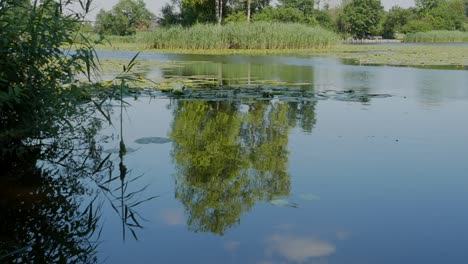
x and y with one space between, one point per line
155 5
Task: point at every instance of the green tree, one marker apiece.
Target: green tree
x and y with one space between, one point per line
198 11
396 19
306 6
246 7
438 15
450 15
284 14
169 16
426 6
125 18
361 18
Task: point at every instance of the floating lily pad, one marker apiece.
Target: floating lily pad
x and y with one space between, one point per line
152 140
283 202
309 197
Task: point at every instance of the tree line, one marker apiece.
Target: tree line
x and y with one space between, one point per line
357 18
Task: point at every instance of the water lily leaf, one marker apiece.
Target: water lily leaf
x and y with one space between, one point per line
152 140
283 202
309 197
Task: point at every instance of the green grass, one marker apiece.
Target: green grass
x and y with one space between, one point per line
381 54
260 35
437 36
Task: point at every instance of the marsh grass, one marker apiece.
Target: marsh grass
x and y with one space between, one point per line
259 35
437 36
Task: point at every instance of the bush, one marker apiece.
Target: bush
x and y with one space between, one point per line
422 25
37 59
237 17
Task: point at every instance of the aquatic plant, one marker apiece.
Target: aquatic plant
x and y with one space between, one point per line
437 36
259 35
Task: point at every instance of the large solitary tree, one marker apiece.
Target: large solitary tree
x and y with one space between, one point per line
125 18
361 18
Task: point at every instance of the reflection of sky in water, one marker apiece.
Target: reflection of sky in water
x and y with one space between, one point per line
298 249
389 174
173 217
429 86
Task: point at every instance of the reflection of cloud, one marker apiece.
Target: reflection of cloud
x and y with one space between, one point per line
343 235
231 245
265 262
173 216
283 227
299 249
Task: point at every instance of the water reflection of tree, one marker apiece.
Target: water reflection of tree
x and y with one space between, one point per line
52 190
41 184
43 224
228 159
302 114
246 73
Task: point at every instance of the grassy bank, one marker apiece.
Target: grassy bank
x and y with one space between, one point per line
260 35
438 36
398 55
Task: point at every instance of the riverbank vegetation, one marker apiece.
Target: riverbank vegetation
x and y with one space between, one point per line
439 36
259 35
38 105
193 22
53 169
34 67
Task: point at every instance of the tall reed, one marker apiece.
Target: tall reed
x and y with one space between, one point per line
259 35
437 36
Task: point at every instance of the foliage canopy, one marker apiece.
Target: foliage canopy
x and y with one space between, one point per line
125 18
361 18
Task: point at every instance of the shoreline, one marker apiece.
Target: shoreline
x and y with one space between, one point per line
411 55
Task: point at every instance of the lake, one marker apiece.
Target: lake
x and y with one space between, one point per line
283 159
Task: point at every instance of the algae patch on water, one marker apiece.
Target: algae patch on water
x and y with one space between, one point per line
427 56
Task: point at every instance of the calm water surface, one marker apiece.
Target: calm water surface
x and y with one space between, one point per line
343 175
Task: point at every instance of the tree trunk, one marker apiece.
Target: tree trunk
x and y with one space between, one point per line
219 11
249 2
